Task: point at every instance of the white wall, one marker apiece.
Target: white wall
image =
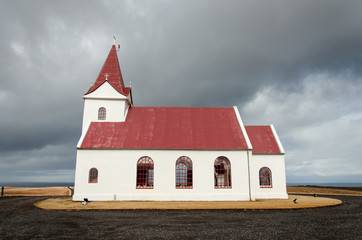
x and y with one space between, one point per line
275 162
106 96
117 175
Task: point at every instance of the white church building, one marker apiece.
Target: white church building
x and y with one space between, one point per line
136 153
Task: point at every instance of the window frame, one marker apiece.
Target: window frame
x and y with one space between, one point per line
93 175
225 161
184 174
143 176
265 177
102 113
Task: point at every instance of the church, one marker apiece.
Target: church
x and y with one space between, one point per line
129 152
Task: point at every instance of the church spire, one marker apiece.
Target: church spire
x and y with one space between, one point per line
111 73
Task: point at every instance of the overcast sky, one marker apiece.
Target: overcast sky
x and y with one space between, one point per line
295 64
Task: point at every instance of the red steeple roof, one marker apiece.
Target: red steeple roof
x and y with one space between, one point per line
111 73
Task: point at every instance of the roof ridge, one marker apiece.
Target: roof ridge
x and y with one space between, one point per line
182 107
257 125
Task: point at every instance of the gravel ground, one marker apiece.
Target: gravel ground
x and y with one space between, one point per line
19 219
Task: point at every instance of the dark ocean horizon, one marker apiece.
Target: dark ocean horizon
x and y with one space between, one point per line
71 184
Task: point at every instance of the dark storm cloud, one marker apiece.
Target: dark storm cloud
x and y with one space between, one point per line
176 53
233 49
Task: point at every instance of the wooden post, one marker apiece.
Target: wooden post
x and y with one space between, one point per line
2 191
71 191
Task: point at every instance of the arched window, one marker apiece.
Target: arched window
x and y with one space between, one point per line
102 113
265 178
93 175
145 173
183 172
222 173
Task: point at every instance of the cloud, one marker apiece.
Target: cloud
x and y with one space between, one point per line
320 125
49 163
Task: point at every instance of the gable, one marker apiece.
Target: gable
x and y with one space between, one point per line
106 90
168 128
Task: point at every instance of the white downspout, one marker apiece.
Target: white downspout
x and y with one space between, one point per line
249 146
249 179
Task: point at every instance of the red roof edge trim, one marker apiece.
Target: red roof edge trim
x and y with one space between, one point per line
186 149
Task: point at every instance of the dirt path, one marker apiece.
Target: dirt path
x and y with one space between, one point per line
300 202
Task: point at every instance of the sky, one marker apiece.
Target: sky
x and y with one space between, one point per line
294 64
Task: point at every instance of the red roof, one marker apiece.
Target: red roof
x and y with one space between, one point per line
262 139
111 73
126 90
169 128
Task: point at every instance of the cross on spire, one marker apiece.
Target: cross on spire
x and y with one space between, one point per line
106 75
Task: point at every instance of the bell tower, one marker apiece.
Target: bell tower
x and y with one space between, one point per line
107 100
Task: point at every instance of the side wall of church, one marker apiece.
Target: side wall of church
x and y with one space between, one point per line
276 164
117 173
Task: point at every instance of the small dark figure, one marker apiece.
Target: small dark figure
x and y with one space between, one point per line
315 195
295 200
85 200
